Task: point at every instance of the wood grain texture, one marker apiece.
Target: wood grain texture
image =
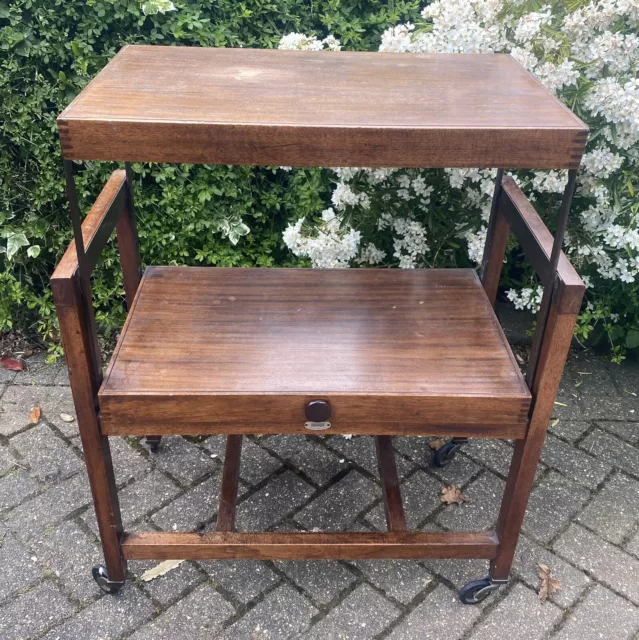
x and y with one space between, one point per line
552 358
536 241
244 350
393 505
303 108
298 546
84 385
230 483
96 227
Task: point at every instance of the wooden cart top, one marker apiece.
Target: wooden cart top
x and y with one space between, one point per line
303 108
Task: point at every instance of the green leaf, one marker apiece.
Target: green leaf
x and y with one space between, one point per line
632 339
14 242
33 251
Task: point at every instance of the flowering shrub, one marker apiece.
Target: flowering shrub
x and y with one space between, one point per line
587 54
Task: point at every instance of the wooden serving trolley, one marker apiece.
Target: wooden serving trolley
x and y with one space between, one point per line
378 352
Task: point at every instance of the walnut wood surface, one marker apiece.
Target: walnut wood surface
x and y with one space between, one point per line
393 505
230 481
537 241
302 108
243 351
290 546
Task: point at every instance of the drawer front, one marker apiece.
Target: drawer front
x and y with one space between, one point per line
503 417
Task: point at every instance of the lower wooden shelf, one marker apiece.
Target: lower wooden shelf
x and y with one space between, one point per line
215 350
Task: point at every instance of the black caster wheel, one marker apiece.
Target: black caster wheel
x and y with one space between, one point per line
101 578
445 454
477 590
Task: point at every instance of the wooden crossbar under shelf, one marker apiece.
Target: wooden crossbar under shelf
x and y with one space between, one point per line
299 546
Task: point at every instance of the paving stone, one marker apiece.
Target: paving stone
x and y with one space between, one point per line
58 401
399 579
6 376
15 406
33 612
633 545
139 498
199 616
568 406
602 615
590 375
569 430
611 408
414 447
626 375
169 587
7 460
609 565
579 466
284 613
610 449
551 506
19 567
256 464
272 502
49 458
183 460
145 495
457 572
216 445
339 505
362 451
481 512
361 615
62 377
440 617
323 580
458 472
16 487
191 510
37 371
128 462
628 431
109 617
319 464
245 579
420 494
519 615
529 554
50 507
494 454
614 512
69 553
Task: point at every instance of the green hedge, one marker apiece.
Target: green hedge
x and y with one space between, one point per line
48 52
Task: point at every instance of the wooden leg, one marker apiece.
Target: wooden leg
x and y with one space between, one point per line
395 517
75 331
513 509
552 358
230 480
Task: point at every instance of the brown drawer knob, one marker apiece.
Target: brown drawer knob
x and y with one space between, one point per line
318 411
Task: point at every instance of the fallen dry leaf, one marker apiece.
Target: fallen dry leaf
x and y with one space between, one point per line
548 585
437 444
452 495
65 417
160 570
11 363
554 422
34 415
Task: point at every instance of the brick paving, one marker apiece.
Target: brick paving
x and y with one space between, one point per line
583 521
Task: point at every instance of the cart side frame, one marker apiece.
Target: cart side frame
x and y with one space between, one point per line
563 292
